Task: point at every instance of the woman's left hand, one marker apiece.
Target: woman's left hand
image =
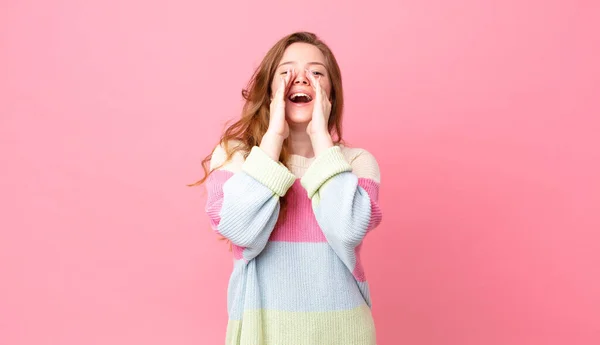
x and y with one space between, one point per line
321 109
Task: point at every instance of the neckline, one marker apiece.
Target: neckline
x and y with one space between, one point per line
300 161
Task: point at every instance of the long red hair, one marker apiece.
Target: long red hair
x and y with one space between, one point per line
254 120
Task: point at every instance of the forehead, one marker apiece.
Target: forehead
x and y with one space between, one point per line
302 52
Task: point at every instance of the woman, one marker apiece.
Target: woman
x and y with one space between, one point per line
295 204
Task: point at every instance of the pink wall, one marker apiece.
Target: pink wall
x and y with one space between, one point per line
484 118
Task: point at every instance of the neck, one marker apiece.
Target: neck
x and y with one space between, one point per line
300 143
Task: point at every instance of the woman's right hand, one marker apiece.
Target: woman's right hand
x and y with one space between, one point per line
272 142
277 123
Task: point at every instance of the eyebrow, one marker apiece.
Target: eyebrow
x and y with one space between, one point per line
310 63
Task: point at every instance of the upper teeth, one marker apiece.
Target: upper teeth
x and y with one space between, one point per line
300 95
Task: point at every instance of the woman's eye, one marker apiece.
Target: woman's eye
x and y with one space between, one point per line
317 73
284 72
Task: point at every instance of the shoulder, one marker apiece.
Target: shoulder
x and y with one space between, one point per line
219 155
364 164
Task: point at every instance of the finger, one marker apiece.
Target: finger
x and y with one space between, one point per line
291 76
275 93
316 81
317 86
311 77
281 84
281 88
286 79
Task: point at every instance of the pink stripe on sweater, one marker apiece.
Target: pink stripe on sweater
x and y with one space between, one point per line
372 188
214 203
299 223
214 200
238 252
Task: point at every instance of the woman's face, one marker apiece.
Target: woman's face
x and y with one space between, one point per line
301 57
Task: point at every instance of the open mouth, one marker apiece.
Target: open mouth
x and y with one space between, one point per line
300 97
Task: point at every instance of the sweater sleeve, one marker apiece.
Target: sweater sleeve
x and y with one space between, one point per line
345 200
243 199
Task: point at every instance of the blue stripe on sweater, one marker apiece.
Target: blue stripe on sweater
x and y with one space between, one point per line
249 213
295 276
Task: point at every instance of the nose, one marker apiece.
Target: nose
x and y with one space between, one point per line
301 79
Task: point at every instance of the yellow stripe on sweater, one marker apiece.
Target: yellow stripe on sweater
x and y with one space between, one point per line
273 327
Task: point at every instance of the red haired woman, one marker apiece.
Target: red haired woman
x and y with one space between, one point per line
295 204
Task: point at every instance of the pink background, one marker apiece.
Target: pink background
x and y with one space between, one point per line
484 116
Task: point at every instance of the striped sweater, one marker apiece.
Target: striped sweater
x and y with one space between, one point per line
298 281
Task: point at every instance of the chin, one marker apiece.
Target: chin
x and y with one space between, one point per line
299 116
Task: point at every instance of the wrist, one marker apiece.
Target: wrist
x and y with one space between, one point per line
271 143
321 142
273 136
